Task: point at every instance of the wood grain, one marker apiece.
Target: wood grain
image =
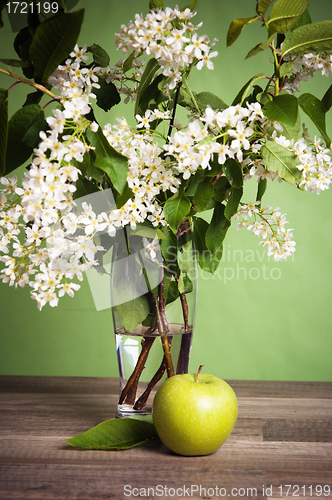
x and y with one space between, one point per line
283 436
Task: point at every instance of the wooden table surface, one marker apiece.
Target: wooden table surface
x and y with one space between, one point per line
281 444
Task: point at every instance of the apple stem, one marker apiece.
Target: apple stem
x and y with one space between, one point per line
198 372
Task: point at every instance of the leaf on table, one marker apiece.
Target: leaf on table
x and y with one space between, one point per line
116 434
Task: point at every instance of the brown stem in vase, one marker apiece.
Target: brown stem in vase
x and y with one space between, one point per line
183 361
163 336
162 303
141 402
129 392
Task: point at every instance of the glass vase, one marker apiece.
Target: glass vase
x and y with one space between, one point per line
153 295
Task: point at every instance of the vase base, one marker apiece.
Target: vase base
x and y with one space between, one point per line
127 411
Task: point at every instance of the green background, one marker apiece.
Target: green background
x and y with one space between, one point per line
256 318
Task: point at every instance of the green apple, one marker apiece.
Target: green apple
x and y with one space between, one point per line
194 414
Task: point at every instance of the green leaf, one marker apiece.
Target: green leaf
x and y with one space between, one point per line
149 95
16 63
207 260
84 187
134 311
205 99
286 67
22 44
32 138
218 227
236 28
128 63
203 195
185 285
233 202
19 124
283 108
315 109
304 19
233 171
116 434
107 95
176 208
82 165
94 172
53 41
221 187
260 47
3 128
146 78
245 89
311 37
191 6
109 160
2 6
281 160
33 20
100 56
285 14
120 199
292 131
262 185
34 98
115 169
263 6
156 4
327 99
169 249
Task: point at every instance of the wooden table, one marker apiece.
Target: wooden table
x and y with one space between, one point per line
283 436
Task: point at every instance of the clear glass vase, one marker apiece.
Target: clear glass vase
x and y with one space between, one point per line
153 294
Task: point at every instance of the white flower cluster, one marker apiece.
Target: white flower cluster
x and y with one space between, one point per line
315 162
175 48
268 224
75 83
148 175
44 250
194 147
305 66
